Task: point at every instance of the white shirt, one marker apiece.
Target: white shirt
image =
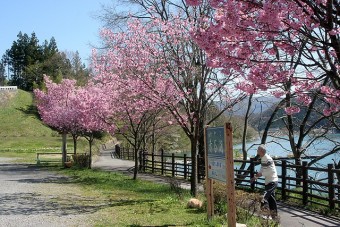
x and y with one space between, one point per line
268 169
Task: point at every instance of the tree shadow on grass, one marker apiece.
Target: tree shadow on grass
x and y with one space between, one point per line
195 211
166 225
30 110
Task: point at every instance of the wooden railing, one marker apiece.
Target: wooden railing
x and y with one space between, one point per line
323 192
127 154
165 164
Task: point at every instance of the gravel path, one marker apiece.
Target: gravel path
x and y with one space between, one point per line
30 196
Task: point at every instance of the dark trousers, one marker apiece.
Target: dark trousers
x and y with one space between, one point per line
269 196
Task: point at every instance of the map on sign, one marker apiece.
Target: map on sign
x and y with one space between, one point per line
215 145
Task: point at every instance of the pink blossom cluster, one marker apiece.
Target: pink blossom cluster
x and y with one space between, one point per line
151 65
69 108
255 39
292 110
332 96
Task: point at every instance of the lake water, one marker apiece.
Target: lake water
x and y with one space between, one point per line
280 147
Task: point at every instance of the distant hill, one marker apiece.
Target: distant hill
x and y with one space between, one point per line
19 116
259 104
262 108
260 119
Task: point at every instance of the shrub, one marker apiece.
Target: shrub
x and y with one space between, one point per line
81 160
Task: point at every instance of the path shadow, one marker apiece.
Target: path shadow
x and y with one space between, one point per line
36 204
50 204
25 171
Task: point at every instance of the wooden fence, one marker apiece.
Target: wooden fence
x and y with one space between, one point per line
307 190
165 164
126 154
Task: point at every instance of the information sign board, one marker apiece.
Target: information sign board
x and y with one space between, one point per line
216 153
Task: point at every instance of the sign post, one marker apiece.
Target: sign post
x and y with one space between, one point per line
209 181
220 166
230 181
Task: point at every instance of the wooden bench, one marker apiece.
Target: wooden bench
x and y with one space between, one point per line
50 154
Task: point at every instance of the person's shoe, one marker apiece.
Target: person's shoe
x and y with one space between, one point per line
274 215
266 217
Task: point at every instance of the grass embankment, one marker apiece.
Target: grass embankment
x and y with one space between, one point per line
22 134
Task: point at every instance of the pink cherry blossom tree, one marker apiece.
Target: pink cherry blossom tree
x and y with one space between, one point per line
130 113
259 35
158 62
90 115
288 48
69 109
56 107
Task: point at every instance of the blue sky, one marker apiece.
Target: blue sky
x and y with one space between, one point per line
71 22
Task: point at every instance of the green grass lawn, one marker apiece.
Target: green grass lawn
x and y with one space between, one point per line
140 203
144 203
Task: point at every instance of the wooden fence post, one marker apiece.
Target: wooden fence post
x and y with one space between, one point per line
145 153
162 161
331 192
128 154
284 180
185 166
230 176
173 165
252 174
140 159
153 162
304 183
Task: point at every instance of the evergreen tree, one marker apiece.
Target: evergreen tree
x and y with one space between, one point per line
80 73
2 72
28 61
23 53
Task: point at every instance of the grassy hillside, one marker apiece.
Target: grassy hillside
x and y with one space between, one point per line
18 117
21 128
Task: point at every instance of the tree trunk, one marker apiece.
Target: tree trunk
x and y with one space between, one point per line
245 129
75 137
194 174
63 149
201 146
90 155
298 171
135 171
153 138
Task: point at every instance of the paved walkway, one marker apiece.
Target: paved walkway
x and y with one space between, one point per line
289 216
